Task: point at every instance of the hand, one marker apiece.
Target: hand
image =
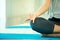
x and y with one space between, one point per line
31 17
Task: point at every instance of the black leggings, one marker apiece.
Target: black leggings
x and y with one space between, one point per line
43 26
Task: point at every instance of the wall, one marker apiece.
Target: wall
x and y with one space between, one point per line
18 10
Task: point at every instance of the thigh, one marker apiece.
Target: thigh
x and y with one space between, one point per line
55 20
42 25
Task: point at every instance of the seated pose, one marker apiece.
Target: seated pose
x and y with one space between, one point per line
45 26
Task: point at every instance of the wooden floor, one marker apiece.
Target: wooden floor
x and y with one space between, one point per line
51 35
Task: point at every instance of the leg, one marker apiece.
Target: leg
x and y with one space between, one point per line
43 26
57 28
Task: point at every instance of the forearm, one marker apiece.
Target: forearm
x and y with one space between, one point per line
43 8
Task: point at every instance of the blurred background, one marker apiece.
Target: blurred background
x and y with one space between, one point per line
17 10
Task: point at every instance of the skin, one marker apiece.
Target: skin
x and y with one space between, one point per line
44 7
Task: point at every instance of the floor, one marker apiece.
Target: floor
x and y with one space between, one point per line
23 33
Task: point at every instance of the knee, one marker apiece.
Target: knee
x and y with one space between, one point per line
37 25
39 21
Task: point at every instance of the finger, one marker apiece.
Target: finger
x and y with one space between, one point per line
27 19
33 20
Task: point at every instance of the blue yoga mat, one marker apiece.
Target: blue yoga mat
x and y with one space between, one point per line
24 36
18 27
5 36
21 36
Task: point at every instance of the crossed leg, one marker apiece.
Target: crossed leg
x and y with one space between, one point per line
44 26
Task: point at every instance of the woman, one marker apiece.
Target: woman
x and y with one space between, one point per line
42 25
